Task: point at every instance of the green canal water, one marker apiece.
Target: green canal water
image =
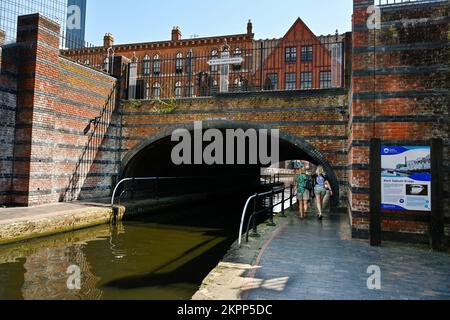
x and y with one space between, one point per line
164 256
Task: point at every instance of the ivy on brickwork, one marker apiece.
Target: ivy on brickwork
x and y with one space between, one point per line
168 106
158 105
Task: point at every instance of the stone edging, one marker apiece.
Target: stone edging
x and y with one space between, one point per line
233 276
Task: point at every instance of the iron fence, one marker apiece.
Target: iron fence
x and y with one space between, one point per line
87 54
403 2
271 65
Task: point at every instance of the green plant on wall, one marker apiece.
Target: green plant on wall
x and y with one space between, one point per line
165 106
158 105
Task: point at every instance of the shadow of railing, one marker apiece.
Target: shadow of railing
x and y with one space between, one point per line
97 129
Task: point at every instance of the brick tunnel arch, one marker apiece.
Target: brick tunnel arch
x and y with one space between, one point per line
308 152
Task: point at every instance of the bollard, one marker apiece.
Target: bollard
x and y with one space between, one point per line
271 223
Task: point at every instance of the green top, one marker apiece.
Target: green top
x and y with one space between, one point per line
301 183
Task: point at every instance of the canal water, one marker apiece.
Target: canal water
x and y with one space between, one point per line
165 255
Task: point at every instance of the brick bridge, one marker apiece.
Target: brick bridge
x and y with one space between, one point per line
66 135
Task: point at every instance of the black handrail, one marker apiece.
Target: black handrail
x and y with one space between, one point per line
252 219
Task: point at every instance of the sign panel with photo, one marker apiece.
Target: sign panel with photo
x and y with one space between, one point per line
406 178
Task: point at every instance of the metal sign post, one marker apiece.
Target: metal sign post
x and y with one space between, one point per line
224 62
375 194
437 211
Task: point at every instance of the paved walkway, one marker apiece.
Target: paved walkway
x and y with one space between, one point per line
312 260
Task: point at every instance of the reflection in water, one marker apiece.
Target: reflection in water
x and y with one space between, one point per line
165 259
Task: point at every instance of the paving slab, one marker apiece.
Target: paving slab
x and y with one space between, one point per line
320 261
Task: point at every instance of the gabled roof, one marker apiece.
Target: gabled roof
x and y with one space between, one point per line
300 25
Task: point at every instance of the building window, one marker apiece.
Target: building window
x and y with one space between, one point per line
291 55
291 81
146 66
178 90
237 54
306 80
179 63
156 90
307 54
156 65
274 79
325 79
214 55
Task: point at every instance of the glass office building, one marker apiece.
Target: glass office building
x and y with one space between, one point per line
58 10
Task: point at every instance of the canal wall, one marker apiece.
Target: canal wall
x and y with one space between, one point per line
49 142
18 224
400 94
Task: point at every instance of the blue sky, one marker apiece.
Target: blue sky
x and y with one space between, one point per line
152 20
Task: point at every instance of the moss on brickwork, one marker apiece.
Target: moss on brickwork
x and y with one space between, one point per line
157 106
172 105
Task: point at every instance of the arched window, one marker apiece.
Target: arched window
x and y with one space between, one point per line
146 65
156 90
214 55
237 53
156 65
179 63
178 90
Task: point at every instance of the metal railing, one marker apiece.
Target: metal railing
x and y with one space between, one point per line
95 131
252 220
270 65
403 2
123 181
89 55
269 179
146 187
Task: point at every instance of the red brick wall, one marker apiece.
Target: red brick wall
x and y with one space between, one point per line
8 104
315 119
409 74
53 159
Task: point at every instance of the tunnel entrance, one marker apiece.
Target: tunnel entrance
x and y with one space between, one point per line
153 158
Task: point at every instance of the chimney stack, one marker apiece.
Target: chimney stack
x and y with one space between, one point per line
176 34
249 27
108 40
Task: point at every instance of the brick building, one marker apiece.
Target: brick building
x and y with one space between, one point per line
66 135
179 67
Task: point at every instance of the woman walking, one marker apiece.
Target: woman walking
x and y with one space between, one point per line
303 192
322 186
